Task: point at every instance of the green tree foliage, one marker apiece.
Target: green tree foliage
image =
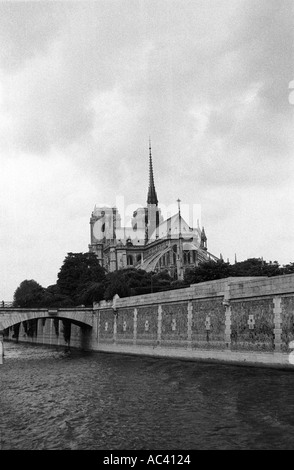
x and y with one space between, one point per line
131 281
162 281
78 271
208 271
218 270
92 292
255 267
178 284
287 269
29 294
55 299
127 282
116 283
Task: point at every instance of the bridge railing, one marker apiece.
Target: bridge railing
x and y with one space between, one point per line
6 304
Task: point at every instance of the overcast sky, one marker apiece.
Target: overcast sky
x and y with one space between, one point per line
84 84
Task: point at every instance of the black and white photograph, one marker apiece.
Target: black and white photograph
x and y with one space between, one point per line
146 228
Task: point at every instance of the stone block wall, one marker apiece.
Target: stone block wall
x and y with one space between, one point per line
252 324
146 320
174 324
228 318
208 324
106 326
125 326
287 322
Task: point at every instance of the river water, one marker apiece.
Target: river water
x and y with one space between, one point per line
52 399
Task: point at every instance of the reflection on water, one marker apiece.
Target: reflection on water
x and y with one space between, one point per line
52 399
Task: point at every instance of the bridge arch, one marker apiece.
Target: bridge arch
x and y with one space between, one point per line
10 317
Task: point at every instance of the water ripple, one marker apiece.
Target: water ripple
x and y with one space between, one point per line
51 399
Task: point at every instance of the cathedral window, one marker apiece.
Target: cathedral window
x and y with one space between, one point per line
130 260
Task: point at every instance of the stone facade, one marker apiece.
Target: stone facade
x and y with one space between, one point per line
243 320
252 325
208 324
287 322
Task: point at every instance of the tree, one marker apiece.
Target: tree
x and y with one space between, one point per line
54 298
116 284
218 270
208 271
78 271
92 292
162 281
178 284
127 282
29 294
256 267
138 280
287 269
131 281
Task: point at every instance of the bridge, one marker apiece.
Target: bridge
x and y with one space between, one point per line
63 326
72 326
10 316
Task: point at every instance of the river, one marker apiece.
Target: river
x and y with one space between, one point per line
53 399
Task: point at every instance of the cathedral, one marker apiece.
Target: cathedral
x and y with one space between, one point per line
151 243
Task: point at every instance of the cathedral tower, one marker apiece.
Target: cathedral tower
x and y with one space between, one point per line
152 203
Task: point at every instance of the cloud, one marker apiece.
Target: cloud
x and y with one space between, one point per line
27 29
84 84
44 214
164 59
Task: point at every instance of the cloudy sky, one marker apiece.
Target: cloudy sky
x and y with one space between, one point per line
84 84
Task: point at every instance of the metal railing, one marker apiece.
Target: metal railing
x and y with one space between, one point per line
6 304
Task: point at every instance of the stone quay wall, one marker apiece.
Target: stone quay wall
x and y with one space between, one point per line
247 321
237 320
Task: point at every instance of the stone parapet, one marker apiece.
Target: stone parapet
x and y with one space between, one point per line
232 287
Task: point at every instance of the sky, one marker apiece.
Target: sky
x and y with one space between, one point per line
84 84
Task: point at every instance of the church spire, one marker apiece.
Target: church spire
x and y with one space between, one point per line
152 196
